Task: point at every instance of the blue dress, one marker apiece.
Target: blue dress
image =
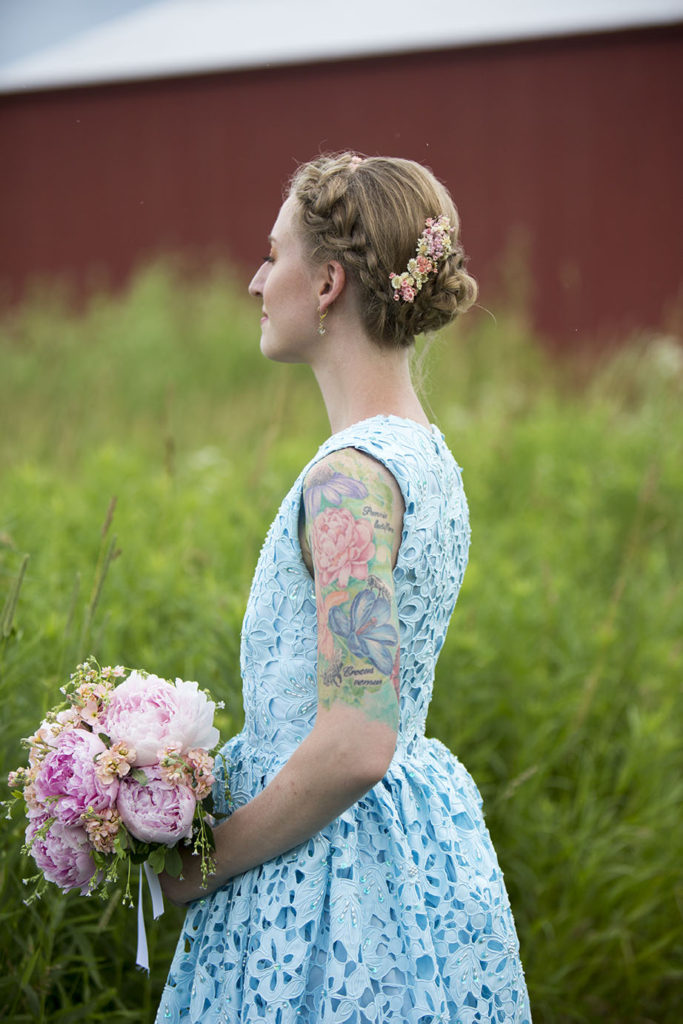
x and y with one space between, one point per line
396 912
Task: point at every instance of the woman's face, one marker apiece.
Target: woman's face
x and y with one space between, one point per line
288 290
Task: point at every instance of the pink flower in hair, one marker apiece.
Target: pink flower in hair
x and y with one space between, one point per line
433 245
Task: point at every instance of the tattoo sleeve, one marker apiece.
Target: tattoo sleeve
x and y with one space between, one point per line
350 517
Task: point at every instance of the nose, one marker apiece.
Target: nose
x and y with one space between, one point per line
256 284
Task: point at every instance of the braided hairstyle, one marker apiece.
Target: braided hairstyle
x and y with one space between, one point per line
368 214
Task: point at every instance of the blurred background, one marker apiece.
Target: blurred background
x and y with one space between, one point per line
134 127
145 444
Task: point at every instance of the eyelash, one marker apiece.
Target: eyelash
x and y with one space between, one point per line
268 259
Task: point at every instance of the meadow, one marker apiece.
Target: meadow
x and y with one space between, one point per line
144 448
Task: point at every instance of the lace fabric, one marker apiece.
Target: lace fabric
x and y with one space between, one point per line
396 912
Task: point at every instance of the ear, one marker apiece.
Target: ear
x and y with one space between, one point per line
331 284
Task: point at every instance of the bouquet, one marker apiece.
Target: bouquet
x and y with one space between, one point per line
119 773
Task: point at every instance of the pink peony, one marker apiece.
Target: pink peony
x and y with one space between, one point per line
63 855
342 546
68 774
160 812
148 713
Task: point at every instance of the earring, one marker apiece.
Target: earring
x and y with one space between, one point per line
321 326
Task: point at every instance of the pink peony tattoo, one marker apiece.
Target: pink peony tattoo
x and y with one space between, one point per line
342 546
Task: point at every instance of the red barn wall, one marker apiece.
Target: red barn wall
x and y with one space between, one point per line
564 155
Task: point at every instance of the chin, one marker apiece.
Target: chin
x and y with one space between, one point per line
281 354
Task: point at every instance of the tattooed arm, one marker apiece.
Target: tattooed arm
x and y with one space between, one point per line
353 517
350 536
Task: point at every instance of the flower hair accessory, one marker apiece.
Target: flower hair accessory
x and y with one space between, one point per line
433 246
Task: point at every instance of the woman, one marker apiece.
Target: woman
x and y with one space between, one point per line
355 878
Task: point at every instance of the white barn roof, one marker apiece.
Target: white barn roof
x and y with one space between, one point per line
118 40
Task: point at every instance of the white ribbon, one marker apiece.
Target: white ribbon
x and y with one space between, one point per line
142 955
154 890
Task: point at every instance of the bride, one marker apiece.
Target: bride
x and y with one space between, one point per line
355 878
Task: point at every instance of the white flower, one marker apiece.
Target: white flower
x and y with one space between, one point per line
193 725
149 713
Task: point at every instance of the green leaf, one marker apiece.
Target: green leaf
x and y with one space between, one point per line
122 841
174 862
157 858
139 776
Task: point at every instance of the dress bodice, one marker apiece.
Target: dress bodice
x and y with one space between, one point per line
279 633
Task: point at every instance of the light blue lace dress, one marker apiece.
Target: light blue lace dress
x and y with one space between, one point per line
396 913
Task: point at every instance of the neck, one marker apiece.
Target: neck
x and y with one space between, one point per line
358 380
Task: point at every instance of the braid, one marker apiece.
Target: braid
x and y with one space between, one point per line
367 215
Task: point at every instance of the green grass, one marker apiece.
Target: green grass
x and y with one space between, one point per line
560 682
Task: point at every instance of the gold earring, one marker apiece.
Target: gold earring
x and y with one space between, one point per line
321 326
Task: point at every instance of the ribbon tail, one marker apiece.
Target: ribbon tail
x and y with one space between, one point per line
142 956
155 891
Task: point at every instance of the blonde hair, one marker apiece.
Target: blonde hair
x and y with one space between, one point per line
368 214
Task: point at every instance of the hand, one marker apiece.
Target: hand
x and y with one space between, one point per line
188 887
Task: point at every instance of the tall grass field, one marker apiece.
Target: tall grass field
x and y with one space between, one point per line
145 445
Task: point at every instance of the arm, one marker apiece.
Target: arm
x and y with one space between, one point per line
353 516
